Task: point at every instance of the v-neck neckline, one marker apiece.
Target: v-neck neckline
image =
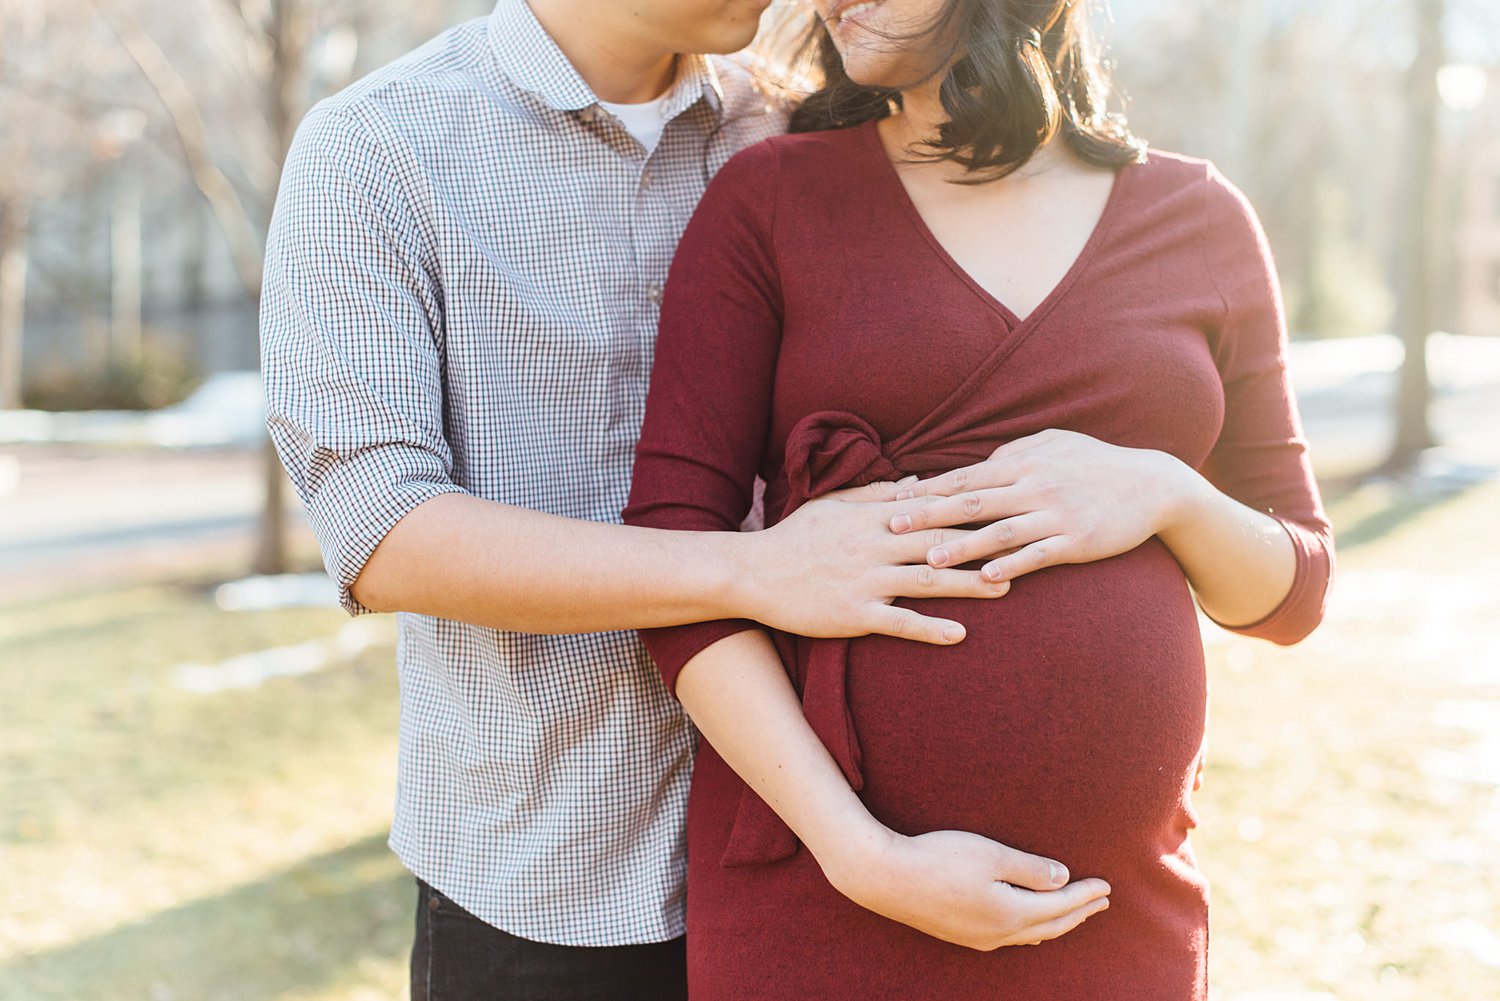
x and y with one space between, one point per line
1059 291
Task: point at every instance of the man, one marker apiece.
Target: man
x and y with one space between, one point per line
461 298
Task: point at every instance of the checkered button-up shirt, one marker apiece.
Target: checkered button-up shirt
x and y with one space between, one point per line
462 293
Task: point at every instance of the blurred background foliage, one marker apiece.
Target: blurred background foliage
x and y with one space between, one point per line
140 147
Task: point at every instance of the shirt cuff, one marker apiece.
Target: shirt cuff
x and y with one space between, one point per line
673 646
358 502
1302 609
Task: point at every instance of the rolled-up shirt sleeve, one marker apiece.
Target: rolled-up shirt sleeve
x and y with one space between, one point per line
351 320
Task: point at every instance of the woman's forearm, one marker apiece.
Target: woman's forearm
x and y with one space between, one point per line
1240 562
740 698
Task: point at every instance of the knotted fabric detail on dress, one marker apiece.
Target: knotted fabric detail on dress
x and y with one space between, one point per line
824 452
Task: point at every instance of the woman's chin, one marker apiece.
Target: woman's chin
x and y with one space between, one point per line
871 77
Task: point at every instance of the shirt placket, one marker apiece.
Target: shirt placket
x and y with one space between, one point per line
659 195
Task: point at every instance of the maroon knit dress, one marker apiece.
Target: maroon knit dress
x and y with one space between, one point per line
816 334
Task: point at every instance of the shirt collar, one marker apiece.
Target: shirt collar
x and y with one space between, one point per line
529 57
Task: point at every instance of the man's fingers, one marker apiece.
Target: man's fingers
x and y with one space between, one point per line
1002 537
923 581
980 476
913 548
871 493
903 623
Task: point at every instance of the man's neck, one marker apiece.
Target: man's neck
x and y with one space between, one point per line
618 65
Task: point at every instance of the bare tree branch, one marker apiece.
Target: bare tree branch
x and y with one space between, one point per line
192 135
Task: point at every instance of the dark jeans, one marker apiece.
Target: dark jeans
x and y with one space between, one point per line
457 957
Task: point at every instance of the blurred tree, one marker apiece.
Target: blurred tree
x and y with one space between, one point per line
279 56
1419 213
53 134
276 36
22 23
1286 97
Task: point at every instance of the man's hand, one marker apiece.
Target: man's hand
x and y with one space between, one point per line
833 567
1051 498
966 889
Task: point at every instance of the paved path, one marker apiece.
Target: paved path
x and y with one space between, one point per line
81 516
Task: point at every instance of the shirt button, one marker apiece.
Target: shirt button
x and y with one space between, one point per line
588 115
646 178
653 292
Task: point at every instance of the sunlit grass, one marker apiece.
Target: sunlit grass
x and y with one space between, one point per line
1339 865
153 837
158 844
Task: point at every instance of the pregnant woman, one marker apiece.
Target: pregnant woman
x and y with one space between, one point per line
961 264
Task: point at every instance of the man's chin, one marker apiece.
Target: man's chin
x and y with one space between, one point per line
728 43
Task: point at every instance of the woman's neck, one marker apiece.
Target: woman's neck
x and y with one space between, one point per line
922 114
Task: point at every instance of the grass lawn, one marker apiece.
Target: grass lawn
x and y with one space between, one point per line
159 844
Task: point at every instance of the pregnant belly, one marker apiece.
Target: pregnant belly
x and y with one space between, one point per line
1068 722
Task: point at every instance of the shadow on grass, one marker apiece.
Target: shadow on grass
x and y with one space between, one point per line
302 928
1366 511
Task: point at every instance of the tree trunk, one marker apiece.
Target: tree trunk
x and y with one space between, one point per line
1246 23
288 31
13 261
1417 243
270 543
126 348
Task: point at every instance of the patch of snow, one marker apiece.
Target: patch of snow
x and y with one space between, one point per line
252 670
256 594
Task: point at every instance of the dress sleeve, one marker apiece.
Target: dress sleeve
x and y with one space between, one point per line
1261 456
349 324
708 410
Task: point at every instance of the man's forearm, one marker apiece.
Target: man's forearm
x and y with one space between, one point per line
830 569
460 557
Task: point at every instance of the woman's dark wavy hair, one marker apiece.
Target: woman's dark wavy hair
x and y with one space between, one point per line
1025 71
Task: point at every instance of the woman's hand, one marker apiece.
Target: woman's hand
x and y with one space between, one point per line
1051 498
965 889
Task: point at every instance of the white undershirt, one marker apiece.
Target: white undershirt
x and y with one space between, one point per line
644 121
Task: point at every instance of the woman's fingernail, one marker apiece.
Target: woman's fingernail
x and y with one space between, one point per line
938 557
905 494
906 481
991 574
1059 875
953 633
901 523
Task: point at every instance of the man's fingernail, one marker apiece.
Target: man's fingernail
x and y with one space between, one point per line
906 481
938 557
901 523
991 574
1059 875
953 633
906 493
